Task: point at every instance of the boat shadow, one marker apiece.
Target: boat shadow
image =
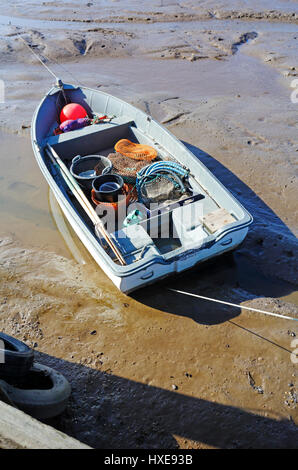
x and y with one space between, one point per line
241 270
111 412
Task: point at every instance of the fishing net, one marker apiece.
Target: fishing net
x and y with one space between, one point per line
162 181
126 167
159 189
135 151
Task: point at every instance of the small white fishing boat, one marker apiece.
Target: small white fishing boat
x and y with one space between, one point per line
176 234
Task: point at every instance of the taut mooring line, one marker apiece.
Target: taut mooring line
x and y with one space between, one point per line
234 305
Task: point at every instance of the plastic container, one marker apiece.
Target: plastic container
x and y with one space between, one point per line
107 187
188 225
124 200
86 169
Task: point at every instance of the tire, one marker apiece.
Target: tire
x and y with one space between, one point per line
5 398
18 357
43 394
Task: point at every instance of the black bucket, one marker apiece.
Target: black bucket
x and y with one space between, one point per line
86 169
107 188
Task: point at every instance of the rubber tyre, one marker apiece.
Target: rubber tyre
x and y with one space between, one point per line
47 400
18 357
5 398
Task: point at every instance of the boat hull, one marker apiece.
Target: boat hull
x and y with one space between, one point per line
132 282
158 265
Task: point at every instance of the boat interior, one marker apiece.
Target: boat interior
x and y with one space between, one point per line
172 226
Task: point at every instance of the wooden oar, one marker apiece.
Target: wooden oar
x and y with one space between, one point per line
85 204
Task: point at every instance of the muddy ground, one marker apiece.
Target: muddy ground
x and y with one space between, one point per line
158 369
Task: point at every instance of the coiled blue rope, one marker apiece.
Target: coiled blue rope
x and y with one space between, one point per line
171 171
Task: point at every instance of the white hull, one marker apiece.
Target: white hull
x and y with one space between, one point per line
156 264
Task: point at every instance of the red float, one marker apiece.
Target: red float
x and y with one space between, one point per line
72 111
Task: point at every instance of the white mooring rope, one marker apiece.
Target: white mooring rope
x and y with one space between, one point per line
37 57
234 305
40 59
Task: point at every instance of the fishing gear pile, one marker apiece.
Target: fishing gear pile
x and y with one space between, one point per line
162 181
130 158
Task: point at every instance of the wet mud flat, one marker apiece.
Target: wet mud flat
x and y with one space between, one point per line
158 369
155 370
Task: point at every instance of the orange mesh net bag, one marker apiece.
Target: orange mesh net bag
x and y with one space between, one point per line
135 151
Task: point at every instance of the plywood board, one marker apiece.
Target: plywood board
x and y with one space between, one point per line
217 219
19 431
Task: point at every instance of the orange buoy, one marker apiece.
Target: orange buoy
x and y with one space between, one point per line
72 111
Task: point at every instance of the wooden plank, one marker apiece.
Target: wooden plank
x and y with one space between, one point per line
20 431
217 219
